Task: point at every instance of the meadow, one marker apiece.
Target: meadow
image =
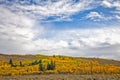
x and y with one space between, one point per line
41 67
61 77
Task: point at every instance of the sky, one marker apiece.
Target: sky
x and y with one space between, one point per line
82 28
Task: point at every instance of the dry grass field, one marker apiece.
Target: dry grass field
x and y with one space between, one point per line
61 77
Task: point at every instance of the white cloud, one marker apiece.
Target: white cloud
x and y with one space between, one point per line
46 9
16 31
92 42
99 42
18 36
107 3
112 4
95 16
94 37
117 17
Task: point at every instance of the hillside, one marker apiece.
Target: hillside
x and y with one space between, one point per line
40 64
4 57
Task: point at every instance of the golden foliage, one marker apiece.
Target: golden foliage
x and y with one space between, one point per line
63 65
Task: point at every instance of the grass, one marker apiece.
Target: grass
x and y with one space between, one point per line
61 77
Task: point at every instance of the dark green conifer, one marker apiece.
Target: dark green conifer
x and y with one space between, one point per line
41 68
21 64
51 66
11 62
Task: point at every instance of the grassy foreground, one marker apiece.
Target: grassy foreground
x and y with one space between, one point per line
62 77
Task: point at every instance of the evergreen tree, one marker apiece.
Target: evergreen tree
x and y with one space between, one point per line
54 65
51 66
54 56
11 62
48 66
40 61
21 64
35 62
91 66
41 68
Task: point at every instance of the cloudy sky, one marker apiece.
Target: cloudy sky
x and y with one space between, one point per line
86 28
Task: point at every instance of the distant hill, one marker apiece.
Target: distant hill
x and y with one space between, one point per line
5 57
101 60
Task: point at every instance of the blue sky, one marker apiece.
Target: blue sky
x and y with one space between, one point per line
86 28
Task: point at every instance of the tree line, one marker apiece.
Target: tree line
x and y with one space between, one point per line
50 66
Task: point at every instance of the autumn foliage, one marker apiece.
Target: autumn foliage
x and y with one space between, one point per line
56 64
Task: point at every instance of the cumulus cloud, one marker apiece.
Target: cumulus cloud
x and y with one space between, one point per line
112 4
91 42
19 35
44 9
103 42
16 31
95 16
117 16
107 3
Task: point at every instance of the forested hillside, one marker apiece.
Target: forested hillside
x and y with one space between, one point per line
40 64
